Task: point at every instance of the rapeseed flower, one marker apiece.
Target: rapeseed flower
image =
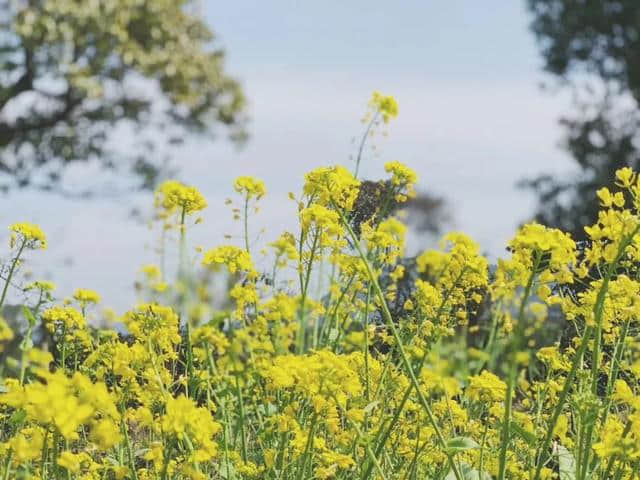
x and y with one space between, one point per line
173 196
29 235
249 186
358 362
385 104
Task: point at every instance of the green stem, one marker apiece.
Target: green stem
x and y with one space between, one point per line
405 359
246 223
363 141
44 454
12 269
7 468
308 447
542 452
396 416
25 347
540 461
370 454
513 371
130 455
303 296
405 398
482 445
243 440
599 314
366 347
599 309
625 432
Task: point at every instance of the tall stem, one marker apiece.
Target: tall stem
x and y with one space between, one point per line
541 454
246 223
398 341
595 362
303 295
12 269
513 371
182 279
363 141
130 454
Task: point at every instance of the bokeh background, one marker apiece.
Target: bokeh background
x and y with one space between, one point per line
474 119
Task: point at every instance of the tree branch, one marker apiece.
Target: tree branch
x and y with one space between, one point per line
24 83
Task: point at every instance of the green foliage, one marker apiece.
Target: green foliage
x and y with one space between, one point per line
591 47
72 70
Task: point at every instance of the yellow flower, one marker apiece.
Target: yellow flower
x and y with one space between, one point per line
403 179
6 333
70 461
552 357
156 324
236 259
251 187
388 236
27 444
28 234
623 393
40 357
66 403
332 186
174 196
155 455
322 372
105 434
184 419
612 442
86 296
625 177
41 285
285 249
607 199
67 317
486 387
385 104
324 222
151 271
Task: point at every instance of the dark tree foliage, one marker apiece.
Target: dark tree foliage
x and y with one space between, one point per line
592 47
72 71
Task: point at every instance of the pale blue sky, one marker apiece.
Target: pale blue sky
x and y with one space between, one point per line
472 122
442 40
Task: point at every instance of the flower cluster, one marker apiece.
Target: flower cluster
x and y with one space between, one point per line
234 258
386 105
331 186
27 235
341 359
249 186
173 196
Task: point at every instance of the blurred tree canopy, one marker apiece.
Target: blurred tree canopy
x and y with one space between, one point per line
593 48
71 71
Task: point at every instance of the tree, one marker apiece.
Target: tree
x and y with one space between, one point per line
591 47
72 71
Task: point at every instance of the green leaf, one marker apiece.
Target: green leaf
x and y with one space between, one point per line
566 463
527 436
468 473
371 406
460 444
26 344
268 409
226 470
17 418
29 316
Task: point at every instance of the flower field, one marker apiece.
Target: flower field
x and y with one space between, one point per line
341 359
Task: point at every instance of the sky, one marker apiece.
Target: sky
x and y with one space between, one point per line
472 121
